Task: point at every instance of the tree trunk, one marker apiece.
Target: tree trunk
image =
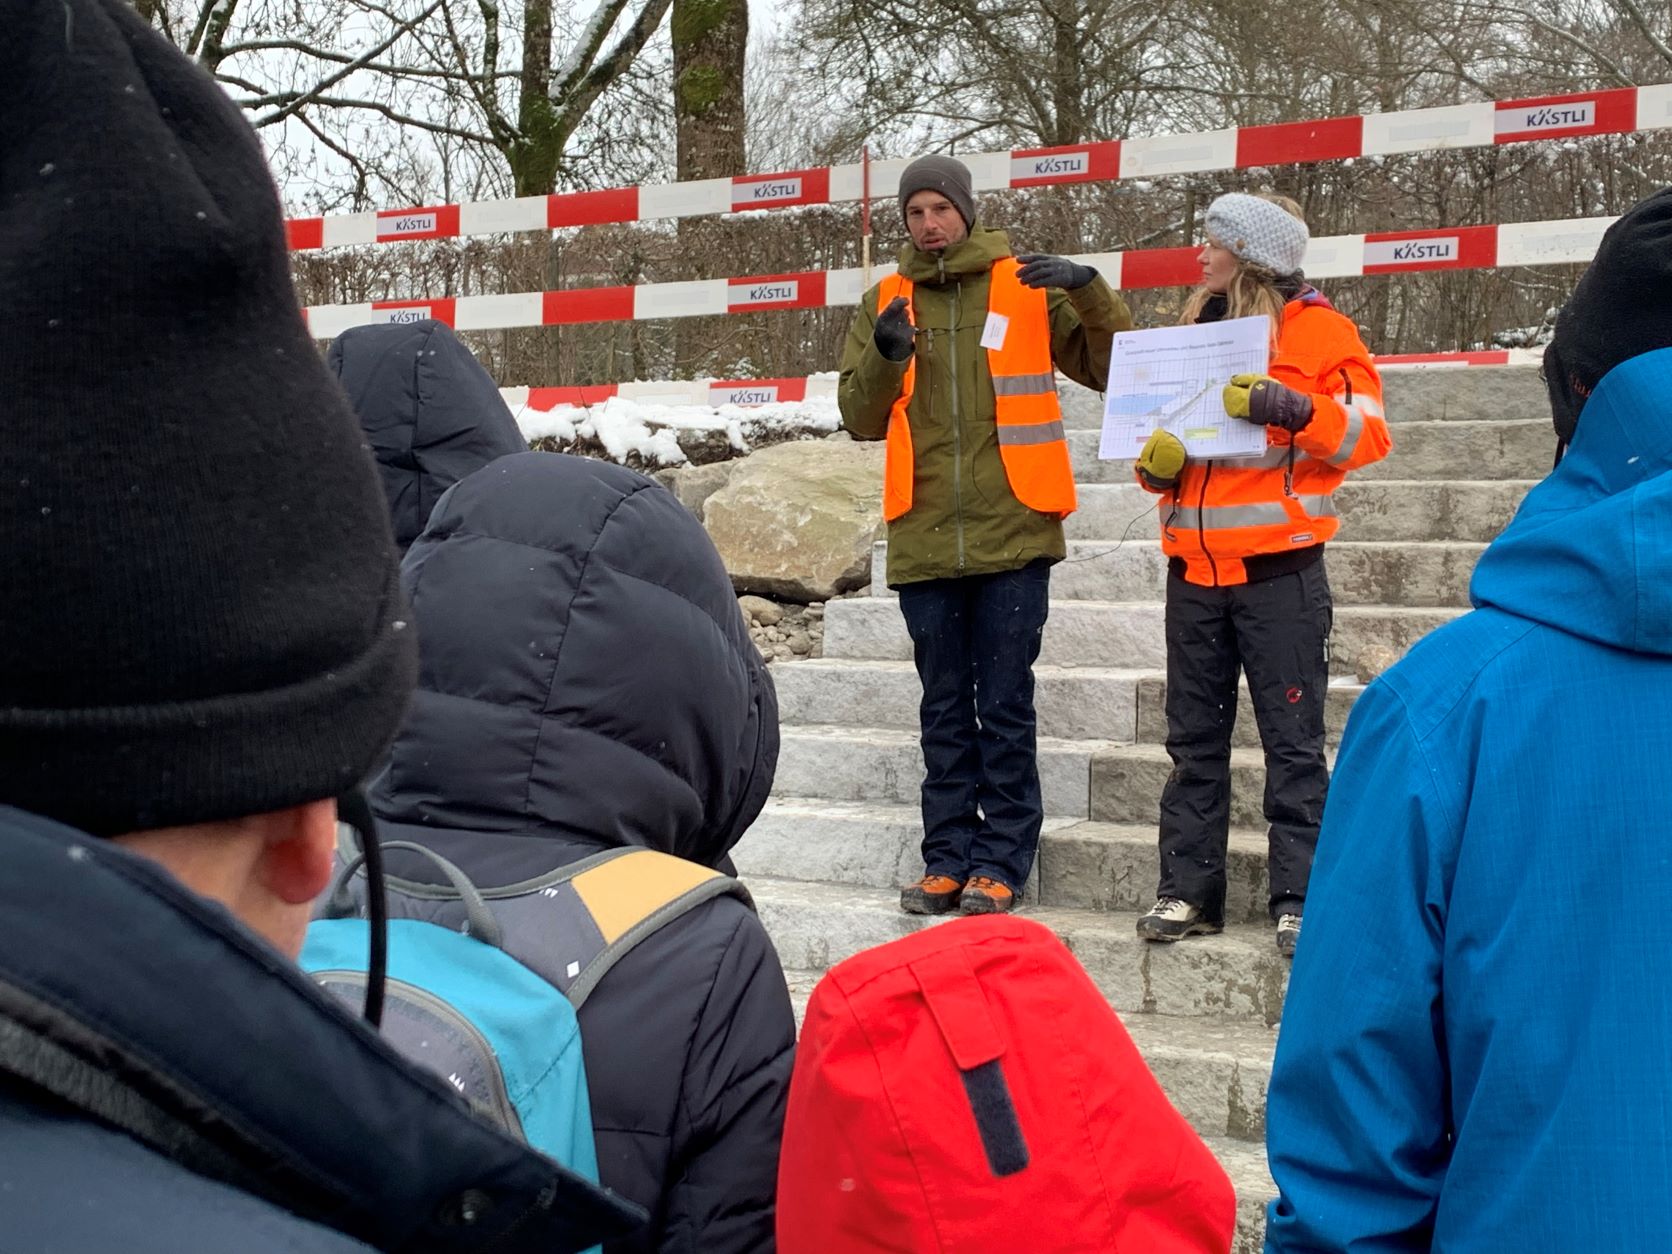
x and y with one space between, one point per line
710 43
535 153
1068 123
710 40
552 341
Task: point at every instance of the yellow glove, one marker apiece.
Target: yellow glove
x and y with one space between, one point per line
1261 399
1161 461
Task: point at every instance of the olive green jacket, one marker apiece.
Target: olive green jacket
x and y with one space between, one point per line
964 519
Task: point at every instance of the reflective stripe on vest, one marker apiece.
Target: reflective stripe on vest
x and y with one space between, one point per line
1265 514
1032 443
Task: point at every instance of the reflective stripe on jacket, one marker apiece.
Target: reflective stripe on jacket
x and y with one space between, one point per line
1228 510
1032 443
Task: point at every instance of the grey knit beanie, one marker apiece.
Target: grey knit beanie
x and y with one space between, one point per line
946 175
1258 231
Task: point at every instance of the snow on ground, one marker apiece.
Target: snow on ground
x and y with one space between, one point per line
651 430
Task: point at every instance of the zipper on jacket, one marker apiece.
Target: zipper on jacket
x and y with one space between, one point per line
1202 522
957 420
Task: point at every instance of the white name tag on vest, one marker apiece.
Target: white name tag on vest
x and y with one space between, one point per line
992 335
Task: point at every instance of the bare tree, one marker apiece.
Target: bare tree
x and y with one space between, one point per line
993 72
406 93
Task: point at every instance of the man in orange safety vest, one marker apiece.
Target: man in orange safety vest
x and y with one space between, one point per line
953 361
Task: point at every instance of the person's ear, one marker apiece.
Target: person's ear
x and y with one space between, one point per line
298 850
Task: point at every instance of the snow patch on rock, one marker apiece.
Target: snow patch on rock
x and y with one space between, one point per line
649 436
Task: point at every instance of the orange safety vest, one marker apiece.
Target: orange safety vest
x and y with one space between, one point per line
1032 443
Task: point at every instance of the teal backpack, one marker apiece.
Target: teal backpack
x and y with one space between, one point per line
459 1005
502 1030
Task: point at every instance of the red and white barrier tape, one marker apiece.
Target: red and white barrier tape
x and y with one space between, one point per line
1481 124
717 392
1330 256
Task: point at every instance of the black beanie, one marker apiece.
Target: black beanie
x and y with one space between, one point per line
200 614
946 175
1620 308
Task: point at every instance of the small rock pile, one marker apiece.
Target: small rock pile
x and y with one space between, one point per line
784 633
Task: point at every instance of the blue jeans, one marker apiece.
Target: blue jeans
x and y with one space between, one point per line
975 639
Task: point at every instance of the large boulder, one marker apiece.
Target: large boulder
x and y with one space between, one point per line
795 522
693 485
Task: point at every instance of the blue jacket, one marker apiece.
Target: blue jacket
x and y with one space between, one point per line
1476 1052
170 1085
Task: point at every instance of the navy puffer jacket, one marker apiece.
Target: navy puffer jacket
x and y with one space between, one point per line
430 412
587 682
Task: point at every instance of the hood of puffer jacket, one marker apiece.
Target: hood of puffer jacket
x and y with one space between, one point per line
584 669
1590 549
431 413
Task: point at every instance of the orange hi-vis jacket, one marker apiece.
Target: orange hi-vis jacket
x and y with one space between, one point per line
1227 511
1032 443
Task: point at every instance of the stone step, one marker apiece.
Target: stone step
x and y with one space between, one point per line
1450 394
1245 1163
1361 572
1112 634
1113 867
1504 449
1073 702
1081 865
886 764
1378 509
1237 975
1152 712
1126 784
863 844
1215 1073
1464 394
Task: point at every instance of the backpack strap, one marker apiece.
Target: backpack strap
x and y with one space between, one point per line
631 894
571 925
340 902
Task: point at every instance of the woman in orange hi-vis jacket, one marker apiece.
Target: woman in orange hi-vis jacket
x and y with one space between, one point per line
1246 587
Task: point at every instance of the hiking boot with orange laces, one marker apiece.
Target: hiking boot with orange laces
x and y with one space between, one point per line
985 895
933 894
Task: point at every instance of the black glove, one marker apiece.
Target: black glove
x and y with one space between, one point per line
894 331
1044 270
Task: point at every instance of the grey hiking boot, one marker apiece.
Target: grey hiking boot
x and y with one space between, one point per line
1288 934
1170 919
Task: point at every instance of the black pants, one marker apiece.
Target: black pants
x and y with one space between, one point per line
1277 631
975 639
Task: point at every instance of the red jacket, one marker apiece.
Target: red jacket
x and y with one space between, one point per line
967 1090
